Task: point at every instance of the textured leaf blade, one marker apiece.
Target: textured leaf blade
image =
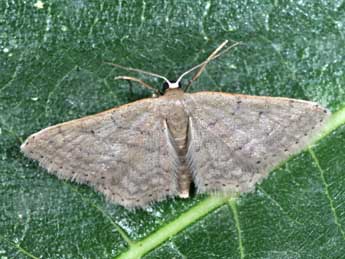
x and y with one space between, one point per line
53 70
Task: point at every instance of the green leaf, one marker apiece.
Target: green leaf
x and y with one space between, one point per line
53 69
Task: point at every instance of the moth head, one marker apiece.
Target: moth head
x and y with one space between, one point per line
171 85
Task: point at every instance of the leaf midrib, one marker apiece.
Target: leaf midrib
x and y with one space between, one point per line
187 218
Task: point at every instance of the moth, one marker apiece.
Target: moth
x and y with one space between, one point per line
154 148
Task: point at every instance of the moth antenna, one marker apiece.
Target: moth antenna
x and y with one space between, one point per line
204 63
171 85
140 82
226 50
215 54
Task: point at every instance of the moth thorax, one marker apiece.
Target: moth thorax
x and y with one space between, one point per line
178 126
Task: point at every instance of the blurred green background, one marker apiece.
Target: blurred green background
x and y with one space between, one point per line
52 69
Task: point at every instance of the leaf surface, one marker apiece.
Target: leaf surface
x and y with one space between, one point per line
53 70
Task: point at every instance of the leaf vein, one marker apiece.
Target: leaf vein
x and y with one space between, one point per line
233 208
276 203
19 248
328 195
177 250
104 213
